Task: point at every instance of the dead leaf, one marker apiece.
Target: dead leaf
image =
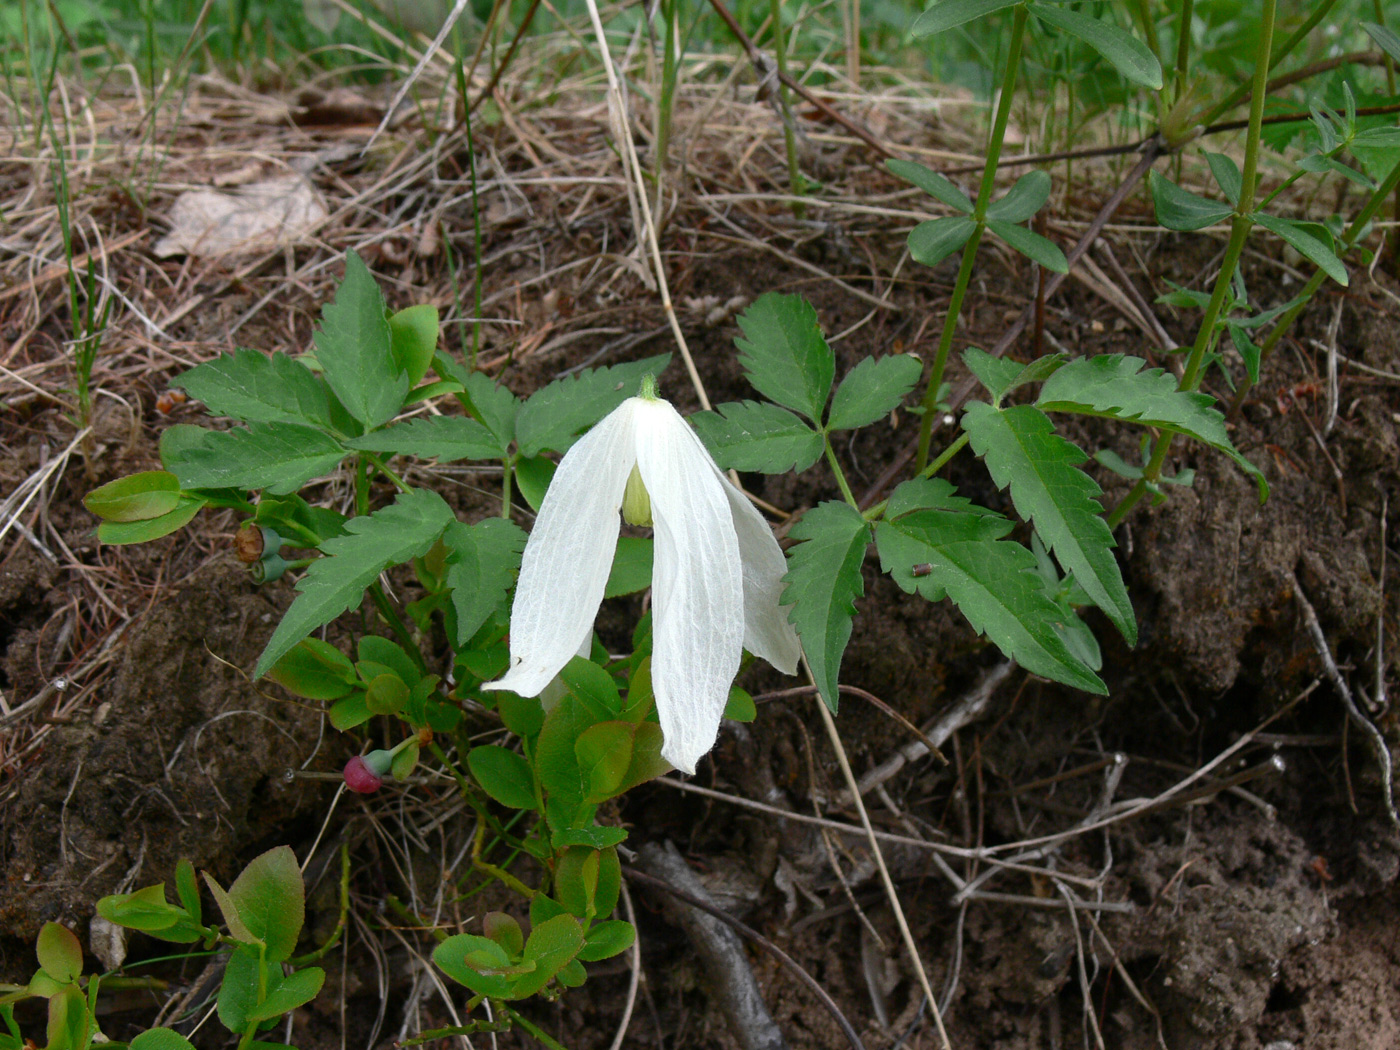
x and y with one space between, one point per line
259 217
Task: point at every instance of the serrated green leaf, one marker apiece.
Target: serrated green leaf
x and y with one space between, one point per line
947 14
1023 200
333 584
554 416
1114 386
258 388
279 457
1227 176
1127 54
296 989
1319 253
757 436
932 183
785 355
504 775
444 438
631 568
823 580
1023 452
355 349
491 402
961 555
122 532
872 390
1001 375
1182 210
481 567
1031 244
933 241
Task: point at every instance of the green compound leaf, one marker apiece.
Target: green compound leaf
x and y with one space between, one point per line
269 897
932 183
489 401
279 457
1023 452
504 775
959 551
872 390
823 580
1023 200
482 562
1114 386
555 415
948 14
785 355
757 436
1129 55
355 349
933 241
1316 251
390 536
1182 210
258 388
444 438
1031 244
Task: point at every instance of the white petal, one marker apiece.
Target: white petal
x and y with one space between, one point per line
569 554
697 584
767 632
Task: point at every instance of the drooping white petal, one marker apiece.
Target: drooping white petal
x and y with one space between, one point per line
697 584
767 632
569 554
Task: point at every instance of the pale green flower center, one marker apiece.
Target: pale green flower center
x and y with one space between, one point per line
636 501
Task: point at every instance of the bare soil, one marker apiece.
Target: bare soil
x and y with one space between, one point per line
1257 908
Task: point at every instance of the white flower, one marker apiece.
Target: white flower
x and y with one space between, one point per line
715 585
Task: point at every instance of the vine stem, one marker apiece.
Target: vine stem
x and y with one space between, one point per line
979 215
1239 232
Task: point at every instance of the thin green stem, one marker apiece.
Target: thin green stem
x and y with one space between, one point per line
841 482
380 466
979 214
1276 55
795 182
670 71
533 1029
1239 233
1183 50
1148 25
928 472
507 474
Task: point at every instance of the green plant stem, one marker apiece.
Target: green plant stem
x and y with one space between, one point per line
531 1028
1285 321
841 481
1276 55
928 472
396 624
979 214
1183 49
1239 233
380 466
507 475
670 71
1389 62
1148 25
795 182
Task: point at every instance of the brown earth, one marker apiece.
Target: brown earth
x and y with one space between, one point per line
1260 911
